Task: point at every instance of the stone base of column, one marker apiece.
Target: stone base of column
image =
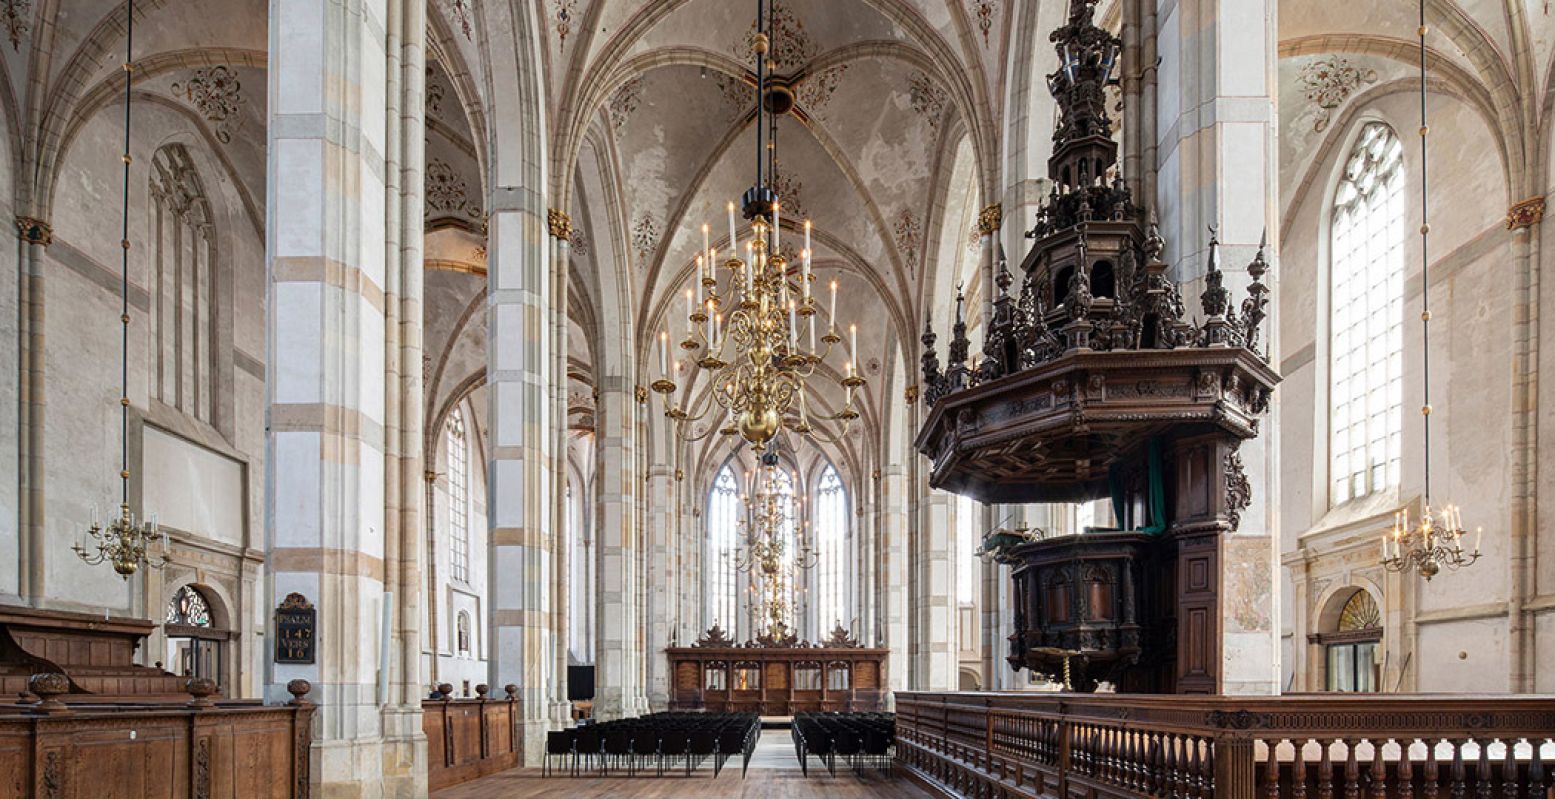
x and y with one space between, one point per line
561 715
532 741
404 753
658 703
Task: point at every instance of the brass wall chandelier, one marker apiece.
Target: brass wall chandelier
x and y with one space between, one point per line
771 515
123 541
1435 540
744 329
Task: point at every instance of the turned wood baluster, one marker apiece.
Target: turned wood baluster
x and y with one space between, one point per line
1169 786
1298 769
1132 778
1352 771
1482 778
1379 771
1430 775
1271 771
1406 769
1459 777
1509 775
1325 771
1201 766
1536 768
1110 755
1155 763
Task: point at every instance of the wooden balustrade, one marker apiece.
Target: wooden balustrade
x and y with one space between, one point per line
1009 746
163 750
470 738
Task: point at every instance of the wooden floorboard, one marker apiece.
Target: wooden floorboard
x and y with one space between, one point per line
774 774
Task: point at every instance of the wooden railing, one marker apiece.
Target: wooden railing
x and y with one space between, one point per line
166 750
470 738
1004 746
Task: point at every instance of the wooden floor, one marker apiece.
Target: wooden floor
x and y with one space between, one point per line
774 774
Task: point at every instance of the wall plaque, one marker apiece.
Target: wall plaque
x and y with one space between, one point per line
295 619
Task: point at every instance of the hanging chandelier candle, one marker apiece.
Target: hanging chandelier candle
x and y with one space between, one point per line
123 541
744 328
1435 540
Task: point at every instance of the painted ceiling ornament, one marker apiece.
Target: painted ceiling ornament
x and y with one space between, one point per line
1329 82
792 46
217 94
17 16
645 238
926 97
566 12
447 192
909 236
460 9
816 91
738 95
624 102
983 11
789 188
580 243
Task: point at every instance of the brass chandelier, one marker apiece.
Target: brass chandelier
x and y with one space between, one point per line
764 551
122 540
743 330
1435 540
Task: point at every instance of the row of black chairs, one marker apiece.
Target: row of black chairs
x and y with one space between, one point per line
861 739
657 738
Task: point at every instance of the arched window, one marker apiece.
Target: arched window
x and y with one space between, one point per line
830 514
458 496
182 286
723 519
783 488
1366 370
462 634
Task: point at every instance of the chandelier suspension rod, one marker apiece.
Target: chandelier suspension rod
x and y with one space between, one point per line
1425 261
762 44
124 275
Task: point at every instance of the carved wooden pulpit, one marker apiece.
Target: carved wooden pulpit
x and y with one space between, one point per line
1093 385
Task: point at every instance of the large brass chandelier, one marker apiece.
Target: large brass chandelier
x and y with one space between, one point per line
122 540
743 328
771 516
1435 540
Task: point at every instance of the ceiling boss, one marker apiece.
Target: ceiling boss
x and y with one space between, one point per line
752 328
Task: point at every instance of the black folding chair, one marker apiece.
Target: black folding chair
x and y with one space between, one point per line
558 743
672 744
585 745
617 744
645 743
877 744
700 745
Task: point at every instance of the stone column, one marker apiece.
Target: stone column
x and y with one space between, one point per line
35 235
933 600
618 690
893 518
1219 165
519 501
560 229
660 561
330 163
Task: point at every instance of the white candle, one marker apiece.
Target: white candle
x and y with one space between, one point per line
807 239
853 340
1479 535
750 268
793 325
832 311
804 277
705 244
664 353
777 226
698 281
812 333
732 237
718 327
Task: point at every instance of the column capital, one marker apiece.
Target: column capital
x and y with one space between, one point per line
1525 214
560 224
34 230
990 219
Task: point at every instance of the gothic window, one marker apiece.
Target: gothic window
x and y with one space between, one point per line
723 517
458 496
462 634
182 285
1367 252
831 540
195 645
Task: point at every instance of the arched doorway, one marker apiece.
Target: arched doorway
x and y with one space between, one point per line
197 635
1352 643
